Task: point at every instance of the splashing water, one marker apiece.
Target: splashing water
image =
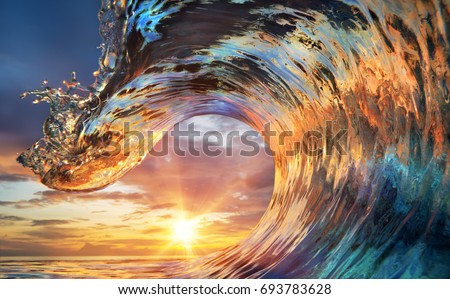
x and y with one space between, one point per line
377 69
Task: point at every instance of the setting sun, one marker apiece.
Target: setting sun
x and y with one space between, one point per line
184 231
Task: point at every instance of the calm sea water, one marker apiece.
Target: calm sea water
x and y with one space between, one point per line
89 267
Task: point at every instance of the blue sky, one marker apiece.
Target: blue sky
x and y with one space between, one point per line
42 40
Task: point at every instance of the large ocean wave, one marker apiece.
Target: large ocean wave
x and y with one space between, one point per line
377 70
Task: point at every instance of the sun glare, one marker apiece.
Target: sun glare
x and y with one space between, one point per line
184 231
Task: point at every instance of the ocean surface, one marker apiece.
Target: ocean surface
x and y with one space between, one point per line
89 267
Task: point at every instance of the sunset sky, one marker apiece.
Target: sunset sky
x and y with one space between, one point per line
167 206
